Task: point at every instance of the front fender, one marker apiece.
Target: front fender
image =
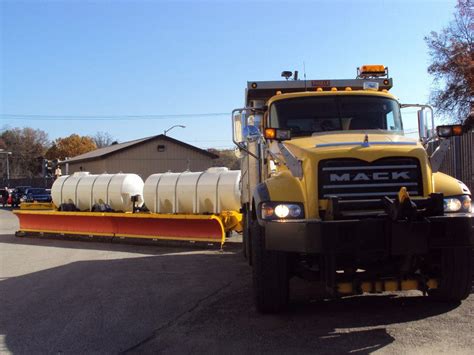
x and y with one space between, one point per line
448 185
282 187
285 187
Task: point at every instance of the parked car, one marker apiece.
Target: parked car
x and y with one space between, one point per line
4 196
22 189
17 194
36 194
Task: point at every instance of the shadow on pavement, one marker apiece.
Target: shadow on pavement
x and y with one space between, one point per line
104 306
184 302
137 246
356 324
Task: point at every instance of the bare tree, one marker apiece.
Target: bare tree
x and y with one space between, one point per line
103 139
452 55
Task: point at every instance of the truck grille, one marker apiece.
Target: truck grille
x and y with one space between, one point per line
358 179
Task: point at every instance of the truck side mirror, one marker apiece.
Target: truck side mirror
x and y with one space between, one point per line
422 125
251 132
237 127
237 153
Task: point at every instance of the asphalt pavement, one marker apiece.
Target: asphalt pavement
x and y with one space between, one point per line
63 296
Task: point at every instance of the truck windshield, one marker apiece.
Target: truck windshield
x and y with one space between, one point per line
307 115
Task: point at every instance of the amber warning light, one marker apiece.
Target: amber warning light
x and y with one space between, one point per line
277 134
450 131
373 70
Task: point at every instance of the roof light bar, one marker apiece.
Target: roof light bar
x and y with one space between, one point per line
372 71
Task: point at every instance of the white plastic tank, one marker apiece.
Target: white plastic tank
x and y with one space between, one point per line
85 198
166 193
85 190
212 191
228 191
56 190
150 190
186 190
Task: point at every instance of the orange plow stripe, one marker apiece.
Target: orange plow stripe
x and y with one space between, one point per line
194 229
206 228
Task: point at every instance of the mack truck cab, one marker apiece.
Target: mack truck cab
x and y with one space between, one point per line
335 193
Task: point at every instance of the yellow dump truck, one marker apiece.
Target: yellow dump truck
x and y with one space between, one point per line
335 193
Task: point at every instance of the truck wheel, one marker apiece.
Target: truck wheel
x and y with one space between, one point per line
245 241
246 247
270 274
245 234
456 274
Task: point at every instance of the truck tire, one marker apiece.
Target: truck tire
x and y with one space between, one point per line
456 274
270 274
245 239
246 246
245 234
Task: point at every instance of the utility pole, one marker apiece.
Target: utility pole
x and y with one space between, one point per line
2 151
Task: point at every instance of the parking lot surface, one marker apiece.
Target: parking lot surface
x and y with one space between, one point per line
63 296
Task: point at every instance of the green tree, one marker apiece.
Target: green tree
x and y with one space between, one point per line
452 57
28 147
71 146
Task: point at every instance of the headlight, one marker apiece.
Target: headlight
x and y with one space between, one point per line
282 211
278 210
457 204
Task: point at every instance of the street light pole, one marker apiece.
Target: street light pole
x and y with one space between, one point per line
176 125
3 151
8 167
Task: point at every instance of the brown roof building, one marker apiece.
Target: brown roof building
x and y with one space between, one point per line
146 156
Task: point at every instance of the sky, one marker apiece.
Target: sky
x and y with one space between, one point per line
136 68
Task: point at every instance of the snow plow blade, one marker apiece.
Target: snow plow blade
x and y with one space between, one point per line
179 227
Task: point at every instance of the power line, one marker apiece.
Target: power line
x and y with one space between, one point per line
108 117
226 147
210 140
42 117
